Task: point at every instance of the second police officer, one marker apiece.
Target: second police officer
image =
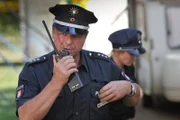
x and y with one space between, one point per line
127 46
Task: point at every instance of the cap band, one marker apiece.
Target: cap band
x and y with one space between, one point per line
132 51
71 25
70 30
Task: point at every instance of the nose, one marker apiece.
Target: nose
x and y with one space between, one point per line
68 39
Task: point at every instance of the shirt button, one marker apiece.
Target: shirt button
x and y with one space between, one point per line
76 113
77 94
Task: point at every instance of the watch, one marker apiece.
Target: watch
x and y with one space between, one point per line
133 90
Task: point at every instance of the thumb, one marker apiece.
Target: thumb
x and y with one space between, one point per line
54 59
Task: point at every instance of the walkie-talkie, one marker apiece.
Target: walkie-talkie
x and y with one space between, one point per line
75 82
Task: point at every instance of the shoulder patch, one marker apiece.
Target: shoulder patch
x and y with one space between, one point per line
19 91
96 55
36 60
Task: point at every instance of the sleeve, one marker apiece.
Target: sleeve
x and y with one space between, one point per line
116 72
27 86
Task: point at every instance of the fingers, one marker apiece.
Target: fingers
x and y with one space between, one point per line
105 88
113 99
112 91
66 64
54 59
69 64
63 69
106 93
72 70
66 60
107 97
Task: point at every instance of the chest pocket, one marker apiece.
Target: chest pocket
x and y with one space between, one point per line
96 84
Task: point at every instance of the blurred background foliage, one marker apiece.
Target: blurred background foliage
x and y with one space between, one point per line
82 3
9 28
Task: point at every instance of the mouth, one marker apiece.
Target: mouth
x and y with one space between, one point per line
63 52
66 49
69 50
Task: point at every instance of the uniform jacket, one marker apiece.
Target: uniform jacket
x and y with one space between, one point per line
95 71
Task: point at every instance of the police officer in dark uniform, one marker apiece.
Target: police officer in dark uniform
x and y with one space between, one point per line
81 85
127 46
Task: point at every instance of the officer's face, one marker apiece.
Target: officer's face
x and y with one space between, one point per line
71 43
126 58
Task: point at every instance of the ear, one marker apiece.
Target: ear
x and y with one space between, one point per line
53 33
116 52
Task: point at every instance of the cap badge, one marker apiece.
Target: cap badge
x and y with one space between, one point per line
72 19
73 11
139 36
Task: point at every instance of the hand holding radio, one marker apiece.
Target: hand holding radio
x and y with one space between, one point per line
64 67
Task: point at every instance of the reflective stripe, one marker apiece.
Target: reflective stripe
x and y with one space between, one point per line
71 25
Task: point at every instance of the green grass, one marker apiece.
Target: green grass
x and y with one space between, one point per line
8 83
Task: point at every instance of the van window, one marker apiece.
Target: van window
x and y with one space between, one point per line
173 26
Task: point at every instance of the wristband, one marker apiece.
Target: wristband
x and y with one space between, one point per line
133 90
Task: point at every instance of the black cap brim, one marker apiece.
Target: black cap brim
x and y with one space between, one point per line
134 51
142 50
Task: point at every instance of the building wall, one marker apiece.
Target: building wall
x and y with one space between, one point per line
34 36
112 16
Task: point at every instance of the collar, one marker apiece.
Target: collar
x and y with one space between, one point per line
83 60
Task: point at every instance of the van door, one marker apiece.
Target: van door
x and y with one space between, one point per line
171 70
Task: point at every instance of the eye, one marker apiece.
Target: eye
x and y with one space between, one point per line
77 36
131 54
64 34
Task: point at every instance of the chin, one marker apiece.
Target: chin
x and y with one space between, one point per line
129 64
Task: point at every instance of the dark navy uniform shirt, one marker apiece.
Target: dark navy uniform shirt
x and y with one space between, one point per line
95 71
123 112
130 71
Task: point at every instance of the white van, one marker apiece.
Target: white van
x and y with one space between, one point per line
158 71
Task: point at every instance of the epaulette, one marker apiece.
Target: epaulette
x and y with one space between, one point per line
97 55
36 60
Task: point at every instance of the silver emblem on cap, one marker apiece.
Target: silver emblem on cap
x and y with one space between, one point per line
73 11
139 36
